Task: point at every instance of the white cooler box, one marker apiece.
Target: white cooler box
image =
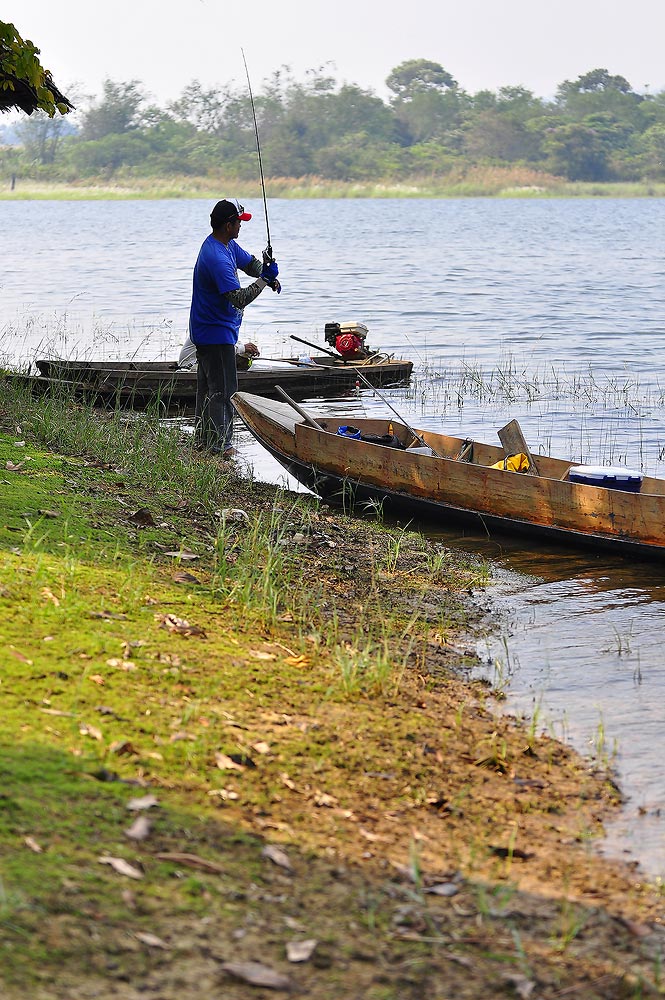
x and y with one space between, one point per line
612 477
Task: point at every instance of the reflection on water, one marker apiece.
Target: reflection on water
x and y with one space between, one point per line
580 648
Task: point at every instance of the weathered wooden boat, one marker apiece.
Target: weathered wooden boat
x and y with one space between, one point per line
433 475
138 383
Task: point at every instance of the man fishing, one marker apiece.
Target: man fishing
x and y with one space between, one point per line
215 317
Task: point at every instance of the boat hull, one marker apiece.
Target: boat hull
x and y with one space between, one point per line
141 383
350 473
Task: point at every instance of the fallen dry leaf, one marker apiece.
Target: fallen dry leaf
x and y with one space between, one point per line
226 763
140 828
32 844
49 513
192 861
151 940
258 975
522 986
86 730
142 517
298 661
123 748
121 866
11 467
368 835
325 801
278 856
261 747
180 626
182 554
300 951
19 656
145 802
115 661
635 928
443 889
182 576
261 654
50 596
234 514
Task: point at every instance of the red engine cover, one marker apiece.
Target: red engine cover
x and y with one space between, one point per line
349 346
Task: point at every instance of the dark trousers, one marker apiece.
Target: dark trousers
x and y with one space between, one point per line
216 381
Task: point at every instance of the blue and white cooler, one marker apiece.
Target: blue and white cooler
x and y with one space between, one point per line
612 477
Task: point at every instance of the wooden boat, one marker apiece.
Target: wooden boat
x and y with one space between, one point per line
457 482
138 383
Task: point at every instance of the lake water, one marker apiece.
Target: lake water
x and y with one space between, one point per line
551 311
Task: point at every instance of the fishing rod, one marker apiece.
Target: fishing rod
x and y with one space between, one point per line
308 343
268 252
369 385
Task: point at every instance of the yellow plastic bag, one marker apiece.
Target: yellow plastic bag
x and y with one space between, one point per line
513 463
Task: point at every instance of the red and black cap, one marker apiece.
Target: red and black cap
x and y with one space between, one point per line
227 210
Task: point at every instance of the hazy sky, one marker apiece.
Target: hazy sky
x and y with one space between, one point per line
483 43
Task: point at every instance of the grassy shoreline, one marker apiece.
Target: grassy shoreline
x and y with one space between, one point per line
480 183
288 684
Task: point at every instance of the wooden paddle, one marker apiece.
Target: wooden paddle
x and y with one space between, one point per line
307 417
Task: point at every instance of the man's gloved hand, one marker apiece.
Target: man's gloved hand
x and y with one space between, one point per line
270 272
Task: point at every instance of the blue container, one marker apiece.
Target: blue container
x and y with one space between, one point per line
349 432
612 477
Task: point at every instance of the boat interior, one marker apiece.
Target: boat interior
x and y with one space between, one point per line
512 443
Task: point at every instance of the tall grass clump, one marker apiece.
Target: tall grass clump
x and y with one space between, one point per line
133 442
257 563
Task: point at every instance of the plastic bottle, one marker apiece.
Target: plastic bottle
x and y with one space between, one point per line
390 430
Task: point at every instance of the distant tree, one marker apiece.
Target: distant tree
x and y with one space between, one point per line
41 136
416 76
503 126
24 83
597 80
204 109
577 151
426 102
121 109
497 137
601 92
652 147
105 156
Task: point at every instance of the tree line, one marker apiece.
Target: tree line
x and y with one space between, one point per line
595 128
